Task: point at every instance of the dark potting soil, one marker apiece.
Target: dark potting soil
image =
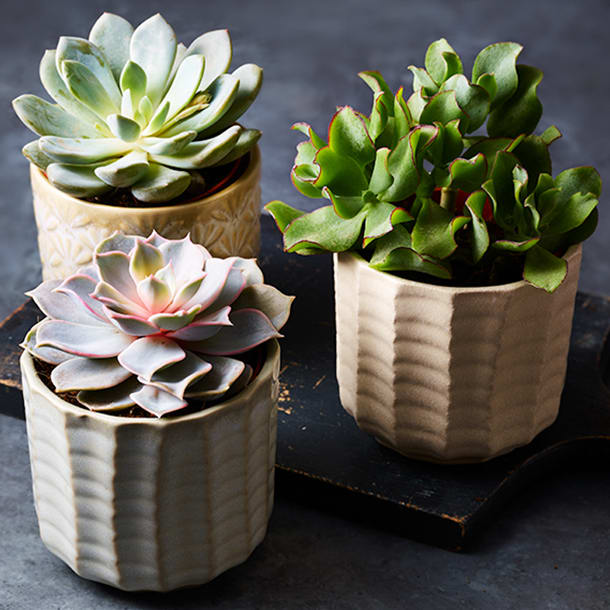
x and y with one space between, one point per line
255 358
204 182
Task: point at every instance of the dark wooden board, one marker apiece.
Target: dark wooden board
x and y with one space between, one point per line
324 459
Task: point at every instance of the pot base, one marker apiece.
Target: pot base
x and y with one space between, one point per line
448 374
227 223
153 504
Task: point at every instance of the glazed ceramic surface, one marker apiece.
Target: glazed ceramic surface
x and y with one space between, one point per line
153 504
227 222
450 374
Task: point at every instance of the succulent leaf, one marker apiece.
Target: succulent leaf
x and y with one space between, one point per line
473 100
60 305
204 327
85 87
160 184
377 83
32 152
341 174
47 119
381 178
268 299
122 127
442 61
225 372
381 219
50 355
184 86
422 80
82 340
216 47
434 230
116 398
246 140
475 204
347 136
345 207
441 108
543 269
250 78
324 229
72 50
522 111
153 48
468 174
405 163
88 374
156 401
249 328
222 93
176 378
146 355
58 90
202 153
393 252
133 79
81 150
76 180
283 214
500 60
125 171
111 35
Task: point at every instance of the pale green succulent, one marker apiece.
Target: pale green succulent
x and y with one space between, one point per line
137 110
155 323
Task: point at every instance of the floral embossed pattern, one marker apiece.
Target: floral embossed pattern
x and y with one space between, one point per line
227 223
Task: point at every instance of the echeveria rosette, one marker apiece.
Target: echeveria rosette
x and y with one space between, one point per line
154 322
137 110
414 190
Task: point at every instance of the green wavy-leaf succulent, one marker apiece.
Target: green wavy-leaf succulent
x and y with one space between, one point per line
415 187
135 109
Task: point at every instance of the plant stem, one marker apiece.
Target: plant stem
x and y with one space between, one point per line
447 199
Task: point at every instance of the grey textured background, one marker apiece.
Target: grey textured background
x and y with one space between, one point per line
549 549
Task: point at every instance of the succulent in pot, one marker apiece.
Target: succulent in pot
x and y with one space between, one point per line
433 225
159 362
143 136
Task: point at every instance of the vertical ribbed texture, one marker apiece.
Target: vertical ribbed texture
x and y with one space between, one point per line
153 504
227 223
450 374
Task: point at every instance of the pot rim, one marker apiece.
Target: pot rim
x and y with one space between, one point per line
235 402
253 167
573 252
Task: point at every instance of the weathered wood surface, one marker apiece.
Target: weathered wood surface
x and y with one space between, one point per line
324 459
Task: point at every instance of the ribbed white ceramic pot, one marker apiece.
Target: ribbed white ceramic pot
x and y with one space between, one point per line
450 374
227 223
153 504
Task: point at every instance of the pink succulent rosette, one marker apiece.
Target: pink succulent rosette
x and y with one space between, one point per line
154 322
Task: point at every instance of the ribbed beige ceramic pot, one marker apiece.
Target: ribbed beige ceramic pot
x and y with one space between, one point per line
450 374
153 504
227 222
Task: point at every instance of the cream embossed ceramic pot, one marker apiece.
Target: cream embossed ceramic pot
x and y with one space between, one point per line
153 504
451 374
227 223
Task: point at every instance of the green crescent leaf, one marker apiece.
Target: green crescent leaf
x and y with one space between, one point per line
323 229
434 230
522 111
543 269
442 61
500 60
